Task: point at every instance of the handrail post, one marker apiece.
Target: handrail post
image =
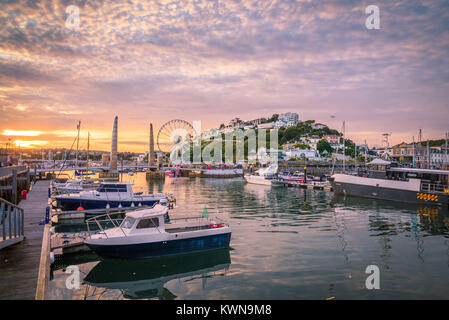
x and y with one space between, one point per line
14 210
9 222
23 221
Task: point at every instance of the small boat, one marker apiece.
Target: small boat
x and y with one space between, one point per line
296 176
169 173
79 174
108 195
265 176
144 234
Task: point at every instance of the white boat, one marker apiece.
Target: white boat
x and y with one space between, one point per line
108 194
296 176
264 176
144 234
221 173
75 186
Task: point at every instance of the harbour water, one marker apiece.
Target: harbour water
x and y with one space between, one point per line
287 243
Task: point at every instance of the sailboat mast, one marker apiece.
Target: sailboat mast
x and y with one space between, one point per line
344 147
77 142
87 155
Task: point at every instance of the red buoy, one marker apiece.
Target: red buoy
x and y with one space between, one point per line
24 194
80 208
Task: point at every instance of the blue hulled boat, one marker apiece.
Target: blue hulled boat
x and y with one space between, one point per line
144 234
108 195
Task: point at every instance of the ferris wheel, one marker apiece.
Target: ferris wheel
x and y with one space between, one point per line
173 134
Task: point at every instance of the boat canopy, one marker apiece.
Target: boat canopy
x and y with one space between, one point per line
157 210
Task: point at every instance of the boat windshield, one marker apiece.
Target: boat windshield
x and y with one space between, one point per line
128 223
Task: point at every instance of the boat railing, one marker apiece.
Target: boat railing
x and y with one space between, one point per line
11 221
434 187
198 218
107 217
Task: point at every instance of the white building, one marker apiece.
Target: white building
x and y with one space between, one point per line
317 126
290 119
206 135
302 153
268 125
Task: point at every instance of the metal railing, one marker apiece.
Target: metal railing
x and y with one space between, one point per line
11 221
434 187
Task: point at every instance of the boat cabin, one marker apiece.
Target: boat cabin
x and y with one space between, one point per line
431 180
145 221
122 187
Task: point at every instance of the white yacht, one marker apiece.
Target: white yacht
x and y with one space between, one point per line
264 176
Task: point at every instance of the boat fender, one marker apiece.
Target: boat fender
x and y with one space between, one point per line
132 205
52 257
140 204
79 208
119 205
108 206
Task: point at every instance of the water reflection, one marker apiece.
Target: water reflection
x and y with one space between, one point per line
289 243
146 279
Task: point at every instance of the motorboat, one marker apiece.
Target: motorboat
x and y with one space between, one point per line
296 176
144 234
264 176
108 195
386 182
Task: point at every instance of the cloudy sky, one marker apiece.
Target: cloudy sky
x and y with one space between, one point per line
153 61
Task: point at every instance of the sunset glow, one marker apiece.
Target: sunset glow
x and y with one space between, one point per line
151 61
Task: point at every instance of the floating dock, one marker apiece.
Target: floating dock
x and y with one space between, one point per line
19 263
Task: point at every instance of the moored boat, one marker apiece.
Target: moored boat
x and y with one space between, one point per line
411 185
264 176
108 195
144 234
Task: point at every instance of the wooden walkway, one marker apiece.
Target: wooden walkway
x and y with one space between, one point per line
19 263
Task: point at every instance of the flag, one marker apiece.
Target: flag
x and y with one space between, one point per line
205 213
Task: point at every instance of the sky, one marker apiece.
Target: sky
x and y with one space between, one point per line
154 61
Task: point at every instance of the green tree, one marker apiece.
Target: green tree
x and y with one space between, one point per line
324 145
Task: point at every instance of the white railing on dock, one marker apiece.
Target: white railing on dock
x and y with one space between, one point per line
11 222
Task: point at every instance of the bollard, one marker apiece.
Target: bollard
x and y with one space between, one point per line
47 215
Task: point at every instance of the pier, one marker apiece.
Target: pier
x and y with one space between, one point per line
19 263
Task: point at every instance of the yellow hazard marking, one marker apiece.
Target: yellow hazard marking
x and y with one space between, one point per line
427 197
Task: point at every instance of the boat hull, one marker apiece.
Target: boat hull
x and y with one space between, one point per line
382 193
258 180
162 248
67 204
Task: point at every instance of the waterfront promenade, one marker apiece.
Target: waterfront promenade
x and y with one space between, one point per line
19 263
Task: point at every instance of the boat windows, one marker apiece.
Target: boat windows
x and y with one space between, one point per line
148 223
112 188
128 223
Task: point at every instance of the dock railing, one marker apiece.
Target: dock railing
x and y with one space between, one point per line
11 222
